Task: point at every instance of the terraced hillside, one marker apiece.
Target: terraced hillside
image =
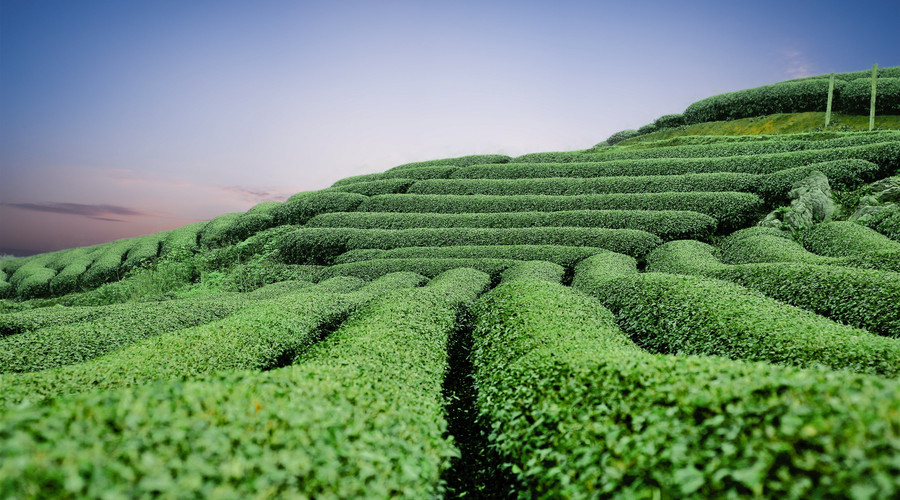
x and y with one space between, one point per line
612 322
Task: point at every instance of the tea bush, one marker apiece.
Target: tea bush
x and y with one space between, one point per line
375 268
578 411
461 161
856 96
376 187
667 224
844 239
541 270
323 245
785 97
562 255
303 206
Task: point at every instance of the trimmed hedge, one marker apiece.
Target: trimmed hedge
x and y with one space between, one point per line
566 186
73 267
731 209
841 174
884 154
886 222
107 265
621 136
216 233
885 72
785 97
855 98
376 187
303 206
534 270
323 245
185 237
859 297
758 244
672 314
143 250
566 256
375 268
461 161
578 411
669 121
358 418
844 239
255 335
667 224
414 174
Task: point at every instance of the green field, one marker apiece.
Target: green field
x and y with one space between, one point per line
604 323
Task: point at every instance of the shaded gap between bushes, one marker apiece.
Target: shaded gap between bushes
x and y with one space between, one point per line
324 330
477 472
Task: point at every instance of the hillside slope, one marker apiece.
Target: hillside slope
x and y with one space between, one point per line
698 311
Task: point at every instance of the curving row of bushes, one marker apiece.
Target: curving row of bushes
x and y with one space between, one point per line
561 255
430 267
254 334
731 209
886 222
761 244
884 154
578 411
862 298
414 173
460 161
667 224
357 417
532 270
376 187
677 314
324 245
846 239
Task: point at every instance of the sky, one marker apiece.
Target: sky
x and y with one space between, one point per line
123 118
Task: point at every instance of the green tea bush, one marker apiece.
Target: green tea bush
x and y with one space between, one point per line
36 283
357 417
621 136
669 121
862 298
566 186
375 268
253 275
856 96
323 245
578 411
216 232
886 222
67 279
671 314
730 208
185 237
841 174
413 174
566 256
883 72
785 97
376 187
884 154
77 342
461 161
303 206
844 239
667 224
534 270
143 250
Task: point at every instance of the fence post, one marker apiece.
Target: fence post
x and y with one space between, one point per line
830 95
872 103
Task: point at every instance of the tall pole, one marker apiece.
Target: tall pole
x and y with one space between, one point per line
830 95
872 103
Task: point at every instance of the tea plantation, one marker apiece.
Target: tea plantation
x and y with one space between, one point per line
664 315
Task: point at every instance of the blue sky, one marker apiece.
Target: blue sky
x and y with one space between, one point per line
125 118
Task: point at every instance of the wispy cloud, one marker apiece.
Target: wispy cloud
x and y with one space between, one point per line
257 194
797 64
106 213
253 194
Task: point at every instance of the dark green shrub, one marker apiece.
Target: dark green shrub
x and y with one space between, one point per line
186 238
669 121
886 222
376 187
565 186
107 266
461 161
74 266
856 96
315 429
303 206
731 209
566 256
36 283
323 245
578 411
667 224
841 174
844 239
534 270
375 268
785 97
671 314
142 251
252 275
621 136
859 297
885 154
403 174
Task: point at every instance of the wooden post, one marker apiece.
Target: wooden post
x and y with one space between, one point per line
830 95
872 103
